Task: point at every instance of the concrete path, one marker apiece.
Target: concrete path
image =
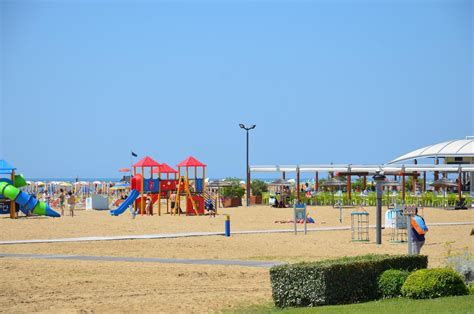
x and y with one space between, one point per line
264 264
198 234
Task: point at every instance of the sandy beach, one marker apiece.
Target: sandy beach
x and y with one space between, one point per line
73 285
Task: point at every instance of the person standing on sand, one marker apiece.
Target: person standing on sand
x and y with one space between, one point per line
418 231
62 198
173 199
71 202
148 204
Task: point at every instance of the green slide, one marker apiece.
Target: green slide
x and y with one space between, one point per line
28 203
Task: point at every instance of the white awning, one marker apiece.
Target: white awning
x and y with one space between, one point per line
455 148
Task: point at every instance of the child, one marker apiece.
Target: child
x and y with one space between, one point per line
62 197
71 202
148 204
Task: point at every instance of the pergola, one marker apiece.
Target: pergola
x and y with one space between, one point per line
458 158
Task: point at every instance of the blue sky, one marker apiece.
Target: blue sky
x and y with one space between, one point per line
83 82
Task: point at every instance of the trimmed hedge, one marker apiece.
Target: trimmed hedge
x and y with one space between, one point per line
391 281
434 283
340 281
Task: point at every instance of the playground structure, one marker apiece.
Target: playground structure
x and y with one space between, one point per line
360 226
144 184
11 196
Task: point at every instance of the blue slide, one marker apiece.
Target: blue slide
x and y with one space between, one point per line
129 201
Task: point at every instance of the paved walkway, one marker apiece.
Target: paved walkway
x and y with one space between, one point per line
264 264
197 234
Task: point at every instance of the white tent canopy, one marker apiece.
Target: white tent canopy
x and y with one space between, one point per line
455 148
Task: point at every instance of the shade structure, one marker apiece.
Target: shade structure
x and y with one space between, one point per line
454 148
147 162
124 170
191 162
164 168
334 182
443 183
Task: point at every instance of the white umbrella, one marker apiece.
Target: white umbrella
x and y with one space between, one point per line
96 182
39 183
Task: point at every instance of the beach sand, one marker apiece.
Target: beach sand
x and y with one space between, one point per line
58 285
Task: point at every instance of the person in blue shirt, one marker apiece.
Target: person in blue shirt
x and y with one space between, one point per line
418 231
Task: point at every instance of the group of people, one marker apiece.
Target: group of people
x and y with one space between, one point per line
68 198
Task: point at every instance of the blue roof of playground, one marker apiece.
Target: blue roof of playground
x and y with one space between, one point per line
5 167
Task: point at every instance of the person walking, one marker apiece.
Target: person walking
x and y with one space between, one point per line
418 231
173 200
71 201
62 198
148 204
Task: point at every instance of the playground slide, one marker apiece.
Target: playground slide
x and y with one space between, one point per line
129 201
28 203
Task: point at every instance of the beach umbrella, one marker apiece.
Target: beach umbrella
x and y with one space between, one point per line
443 183
96 182
39 183
124 170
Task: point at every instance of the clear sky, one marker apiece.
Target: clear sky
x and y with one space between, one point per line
84 82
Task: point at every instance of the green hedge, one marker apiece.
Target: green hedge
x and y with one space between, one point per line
391 281
434 283
339 281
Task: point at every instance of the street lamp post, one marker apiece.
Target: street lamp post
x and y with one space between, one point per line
378 178
247 129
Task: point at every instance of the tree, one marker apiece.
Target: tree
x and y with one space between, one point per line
258 187
235 190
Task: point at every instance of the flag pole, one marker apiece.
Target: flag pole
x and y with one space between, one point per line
131 163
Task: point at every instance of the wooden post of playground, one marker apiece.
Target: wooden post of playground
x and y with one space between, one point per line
142 203
168 196
186 184
134 174
204 180
159 191
195 179
365 183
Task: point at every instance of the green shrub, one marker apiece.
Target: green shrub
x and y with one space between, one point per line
471 288
258 187
391 281
340 281
434 283
235 190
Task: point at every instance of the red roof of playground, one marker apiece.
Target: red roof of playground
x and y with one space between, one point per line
191 162
165 168
147 162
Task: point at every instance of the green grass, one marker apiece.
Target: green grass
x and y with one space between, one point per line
464 304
